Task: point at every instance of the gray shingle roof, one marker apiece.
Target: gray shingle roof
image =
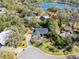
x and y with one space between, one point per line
36 34
41 30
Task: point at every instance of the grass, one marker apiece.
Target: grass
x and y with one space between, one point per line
50 0
59 52
52 50
45 49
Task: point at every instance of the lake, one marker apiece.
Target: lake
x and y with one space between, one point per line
46 5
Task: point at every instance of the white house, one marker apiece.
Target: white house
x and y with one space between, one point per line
4 36
2 10
44 18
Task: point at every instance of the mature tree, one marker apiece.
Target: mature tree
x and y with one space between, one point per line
16 38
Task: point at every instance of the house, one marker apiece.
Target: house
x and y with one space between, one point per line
36 35
2 10
38 32
4 36
41 30
44 18
1 45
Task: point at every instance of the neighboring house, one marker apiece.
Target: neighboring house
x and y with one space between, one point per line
42 30
4 36
2 10
38 32
27 18
1 45
44 18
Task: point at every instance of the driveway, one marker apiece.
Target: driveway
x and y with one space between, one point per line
28 38
35 53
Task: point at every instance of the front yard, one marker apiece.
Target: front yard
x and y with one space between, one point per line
46 46
50 0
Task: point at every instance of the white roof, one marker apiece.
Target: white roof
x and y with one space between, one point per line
4 36
3 10
42 16
46 16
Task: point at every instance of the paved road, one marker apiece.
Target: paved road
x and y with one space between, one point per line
34 53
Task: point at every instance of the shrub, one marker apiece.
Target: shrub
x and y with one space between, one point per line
54 9
69 48
4 54
66 52
36 42
53 49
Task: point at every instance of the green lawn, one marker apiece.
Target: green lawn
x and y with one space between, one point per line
50 0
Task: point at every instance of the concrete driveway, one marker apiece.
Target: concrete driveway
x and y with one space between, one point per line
28 38
35 53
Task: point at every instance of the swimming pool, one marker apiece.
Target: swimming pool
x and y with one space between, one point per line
46 5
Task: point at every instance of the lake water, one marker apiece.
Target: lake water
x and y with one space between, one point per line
46 5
